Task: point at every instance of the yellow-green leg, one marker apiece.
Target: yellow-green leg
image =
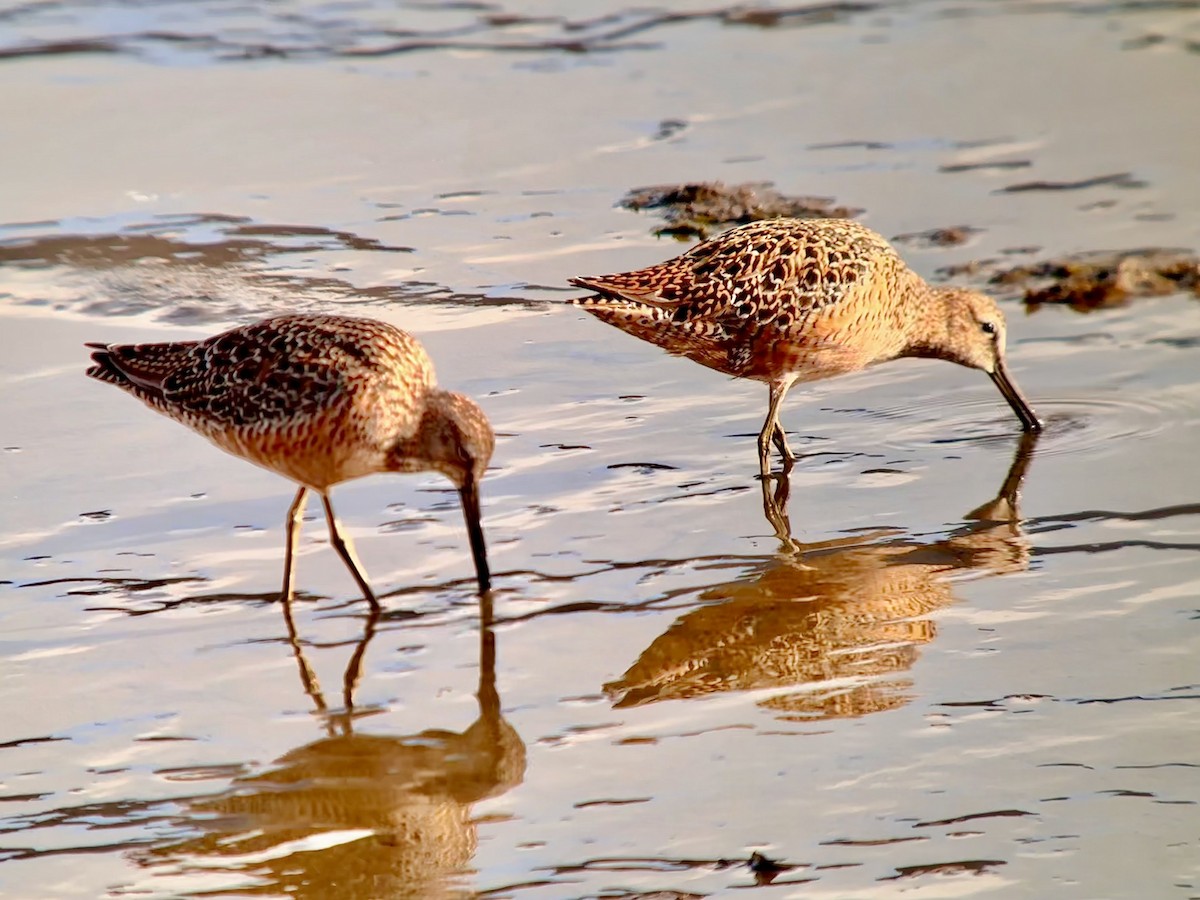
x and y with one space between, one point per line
346 551
292 532
772 431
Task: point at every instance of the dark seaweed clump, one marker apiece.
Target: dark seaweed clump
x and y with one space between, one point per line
1097 279
938 237
705 208
1104 278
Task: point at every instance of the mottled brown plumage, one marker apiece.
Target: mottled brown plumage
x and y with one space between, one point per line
788 300
320 400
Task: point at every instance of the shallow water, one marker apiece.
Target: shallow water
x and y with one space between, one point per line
904 677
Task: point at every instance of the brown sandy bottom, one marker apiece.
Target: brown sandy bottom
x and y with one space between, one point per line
940 659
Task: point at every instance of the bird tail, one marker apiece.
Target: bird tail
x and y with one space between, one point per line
141 369
618 304
103 367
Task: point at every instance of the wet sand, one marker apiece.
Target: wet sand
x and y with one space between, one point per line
920 682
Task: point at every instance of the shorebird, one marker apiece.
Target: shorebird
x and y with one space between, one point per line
792 300
319 400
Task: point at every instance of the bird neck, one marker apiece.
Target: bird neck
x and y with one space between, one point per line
453 438
926 322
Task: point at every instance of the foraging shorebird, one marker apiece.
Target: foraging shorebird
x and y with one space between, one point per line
320 400
791 300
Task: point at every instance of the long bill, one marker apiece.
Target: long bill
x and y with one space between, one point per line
1029 419
469 493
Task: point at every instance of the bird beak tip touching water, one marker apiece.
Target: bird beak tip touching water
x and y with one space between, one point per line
1029 420
469 493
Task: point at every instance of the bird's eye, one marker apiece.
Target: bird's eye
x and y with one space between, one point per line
988 327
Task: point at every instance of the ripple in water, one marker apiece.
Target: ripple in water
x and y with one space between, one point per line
1072 424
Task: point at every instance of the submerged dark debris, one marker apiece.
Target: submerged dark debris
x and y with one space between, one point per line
701 209
1093 281
1097 279
938 237
278 32
765 869
1117 179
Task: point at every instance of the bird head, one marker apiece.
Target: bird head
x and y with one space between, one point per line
975 336
454 438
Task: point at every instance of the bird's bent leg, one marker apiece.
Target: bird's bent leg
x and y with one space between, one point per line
292 531
346 551
780 439
772 431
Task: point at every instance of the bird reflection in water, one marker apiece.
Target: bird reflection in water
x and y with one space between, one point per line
841 619
356 815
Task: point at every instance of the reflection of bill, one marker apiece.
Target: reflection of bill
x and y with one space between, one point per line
355 815
841 619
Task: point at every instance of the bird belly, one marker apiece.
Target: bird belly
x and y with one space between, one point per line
742 347
803 359
315 458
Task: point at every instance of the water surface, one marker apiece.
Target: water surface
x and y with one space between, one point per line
949 662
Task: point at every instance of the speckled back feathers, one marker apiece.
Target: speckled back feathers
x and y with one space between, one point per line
282 369
319 399
781 298
776 271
